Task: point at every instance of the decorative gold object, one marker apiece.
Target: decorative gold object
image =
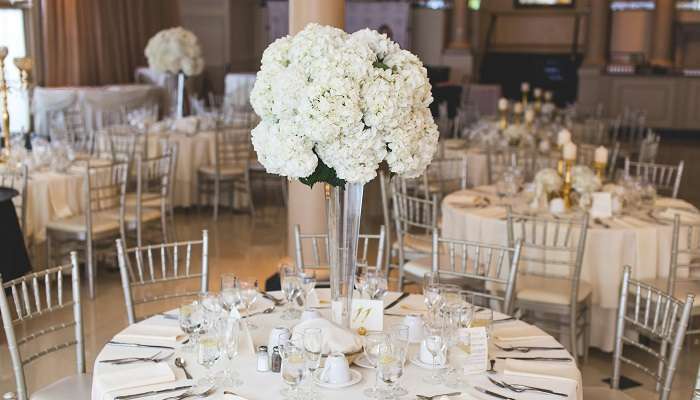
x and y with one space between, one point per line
25 66
599 170
538 102
566 188
503 121
3 97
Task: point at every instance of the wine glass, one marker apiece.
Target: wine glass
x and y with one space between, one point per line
313 341
483 318
229 334
292 288
293 367
208 353
432 292
376 285
436 344
248 289
210 304
361 281
190 322
389 369
308 284
374 342
458 358
398 335
228 291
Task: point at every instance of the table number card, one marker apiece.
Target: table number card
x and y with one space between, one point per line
364 313
473 354
602 206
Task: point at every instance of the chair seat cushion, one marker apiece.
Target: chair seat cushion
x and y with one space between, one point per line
102 222
420 266
76 387
226 170
147 199
549 290
147 214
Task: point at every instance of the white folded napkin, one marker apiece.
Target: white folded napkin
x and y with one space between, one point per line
149 332
465 199
410 305
187 125
335 338
566 375
136 375
520 332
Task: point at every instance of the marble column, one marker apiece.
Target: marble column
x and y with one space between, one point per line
306 206
598 34
662 37
459 38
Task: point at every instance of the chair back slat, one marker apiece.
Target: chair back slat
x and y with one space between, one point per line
665 178
654 314
15 321
489 271
168 272
444 176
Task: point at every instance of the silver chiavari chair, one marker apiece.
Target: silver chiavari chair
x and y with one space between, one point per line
629 128
145 270
444 176
311 253
38 307
665 178
684 275
230 172
69 125
415 219
696 392
656 315
649 148
104 195
487 271
549 279
499 160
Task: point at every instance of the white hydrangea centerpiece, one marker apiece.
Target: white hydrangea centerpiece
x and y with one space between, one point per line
334 106
515 134
547 182
175 50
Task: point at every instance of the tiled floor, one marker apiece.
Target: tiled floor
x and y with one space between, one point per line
254 247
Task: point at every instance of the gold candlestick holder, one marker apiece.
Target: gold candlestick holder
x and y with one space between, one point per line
5 110
538 104
525 98
566 188
25 66
503 120
599 169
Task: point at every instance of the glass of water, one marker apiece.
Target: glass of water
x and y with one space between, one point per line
313 341
376 285
293 367
228 293
436 343
389 369
229 335
248 289
398 335
374 343
208 353
292 289
190 323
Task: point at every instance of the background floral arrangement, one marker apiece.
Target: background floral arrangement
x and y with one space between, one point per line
333 106
175 50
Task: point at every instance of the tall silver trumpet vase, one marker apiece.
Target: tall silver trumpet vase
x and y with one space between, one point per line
180 110
344 208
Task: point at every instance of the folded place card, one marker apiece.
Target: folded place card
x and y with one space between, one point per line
364 313
602 206
471 350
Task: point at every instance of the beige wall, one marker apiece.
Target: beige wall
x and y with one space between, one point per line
429 34
631 32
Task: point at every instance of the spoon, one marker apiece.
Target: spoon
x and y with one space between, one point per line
182 364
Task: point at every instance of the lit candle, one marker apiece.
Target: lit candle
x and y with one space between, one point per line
548 95
569 151
525 87
518 108
601 155
529 115
563 137
537 92
502 104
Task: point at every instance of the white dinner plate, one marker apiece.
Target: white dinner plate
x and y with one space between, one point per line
417 362
362 362
355 377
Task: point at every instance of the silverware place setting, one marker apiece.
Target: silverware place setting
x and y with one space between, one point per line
518 388
194 393
156 358
147 346
536 358
424 397
153 392
526 349
492 394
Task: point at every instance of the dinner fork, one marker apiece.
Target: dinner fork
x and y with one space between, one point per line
518 388
526 349
423 397
129 360
191 394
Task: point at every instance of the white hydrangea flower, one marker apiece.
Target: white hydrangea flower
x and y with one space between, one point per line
353 101
175 50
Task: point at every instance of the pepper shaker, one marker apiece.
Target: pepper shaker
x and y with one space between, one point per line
263 361
276 360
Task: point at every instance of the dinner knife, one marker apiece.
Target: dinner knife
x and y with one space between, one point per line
152 393
150 346
493 394
536 358
397 301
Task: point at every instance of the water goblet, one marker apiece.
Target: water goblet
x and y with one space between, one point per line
229 331
293 368
190 322
436 344
208 353
376 285
313 341
399 337
248 289
432 292
458 359
483 318
390 367
373 344
308 284
291 288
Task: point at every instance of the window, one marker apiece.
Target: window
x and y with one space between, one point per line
12 35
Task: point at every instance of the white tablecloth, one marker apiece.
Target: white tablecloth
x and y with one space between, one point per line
477 161
639 242
267 385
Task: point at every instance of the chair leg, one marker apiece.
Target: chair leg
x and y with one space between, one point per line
217 194
90 270
164 225
49 254
587 330
573 337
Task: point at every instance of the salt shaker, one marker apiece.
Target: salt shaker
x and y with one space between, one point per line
276 360
263 362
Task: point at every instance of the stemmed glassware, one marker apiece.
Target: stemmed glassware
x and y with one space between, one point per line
292 289
376 285
248 290
374 343
436 344
293 368
229 335
210 304
228 294
398 335
459 355
208 353
313 341
432 293
390 367
191 323
308 284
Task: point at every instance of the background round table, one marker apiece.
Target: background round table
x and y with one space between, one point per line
14 253
267 385
632 239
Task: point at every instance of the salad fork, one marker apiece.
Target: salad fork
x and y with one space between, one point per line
518 388
526 349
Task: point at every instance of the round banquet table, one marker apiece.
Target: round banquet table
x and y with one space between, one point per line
560 376
637 238
477 160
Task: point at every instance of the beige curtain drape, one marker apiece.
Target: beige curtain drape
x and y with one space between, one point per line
98 42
